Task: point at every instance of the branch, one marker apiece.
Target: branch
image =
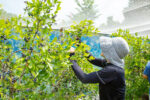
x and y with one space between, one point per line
58 83
37 29
12 54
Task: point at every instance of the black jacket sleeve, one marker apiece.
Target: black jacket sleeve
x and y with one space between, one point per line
83 77
96 61
103 76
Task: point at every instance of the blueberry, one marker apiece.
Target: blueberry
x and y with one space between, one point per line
6 22
23 99
7 79
41 93
49 50
7 59
31 48
43 62
30 14
18 91
25 39
53 16
3 76
14 80
7 42
27 90
34 80
36 32
26 2
78 39
48 11
24 48
8 49
42 39
41 45
27 58
30 30
8 72
25 9
7 87
4 37
23 55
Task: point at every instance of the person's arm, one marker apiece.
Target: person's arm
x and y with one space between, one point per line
146 71
96 61
103 76
145 76
83 77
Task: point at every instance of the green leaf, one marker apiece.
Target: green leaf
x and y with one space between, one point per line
50 4
50 66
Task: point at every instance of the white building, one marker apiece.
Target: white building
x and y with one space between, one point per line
137 19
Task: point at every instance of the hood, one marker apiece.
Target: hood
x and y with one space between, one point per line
114 49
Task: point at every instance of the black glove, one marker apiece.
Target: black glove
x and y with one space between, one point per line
78 39
71 54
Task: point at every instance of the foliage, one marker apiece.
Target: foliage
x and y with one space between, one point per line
86 10
4 14
135 63
40 68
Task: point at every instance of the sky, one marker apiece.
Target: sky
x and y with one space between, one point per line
106 8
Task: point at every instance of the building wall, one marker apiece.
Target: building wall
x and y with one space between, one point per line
137 19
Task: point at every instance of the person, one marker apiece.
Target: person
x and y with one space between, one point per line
111 77
146 74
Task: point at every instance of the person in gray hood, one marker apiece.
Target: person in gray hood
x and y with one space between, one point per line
111 77
114 49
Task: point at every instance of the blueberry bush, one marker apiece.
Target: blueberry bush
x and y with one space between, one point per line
40 67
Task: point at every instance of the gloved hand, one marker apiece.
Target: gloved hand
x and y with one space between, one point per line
72 50
79 41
